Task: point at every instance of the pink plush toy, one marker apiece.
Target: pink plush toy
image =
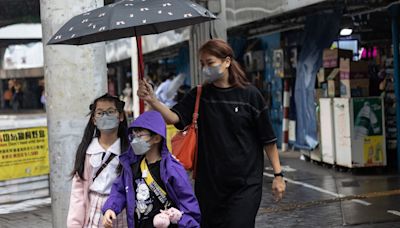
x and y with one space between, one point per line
165 217
174 215
161 220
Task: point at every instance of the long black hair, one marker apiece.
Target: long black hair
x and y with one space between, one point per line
91 131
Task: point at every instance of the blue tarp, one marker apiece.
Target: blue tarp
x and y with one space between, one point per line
320 31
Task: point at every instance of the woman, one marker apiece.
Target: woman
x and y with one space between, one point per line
96 163
234 128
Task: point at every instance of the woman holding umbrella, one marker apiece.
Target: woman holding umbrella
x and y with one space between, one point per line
234 129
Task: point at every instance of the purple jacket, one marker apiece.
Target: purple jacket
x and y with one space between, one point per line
172 173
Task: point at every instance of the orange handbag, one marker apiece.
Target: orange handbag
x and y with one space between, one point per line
184 143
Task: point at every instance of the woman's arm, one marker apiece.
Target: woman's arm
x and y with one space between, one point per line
146 93
278 184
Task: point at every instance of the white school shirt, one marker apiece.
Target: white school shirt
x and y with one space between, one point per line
103 182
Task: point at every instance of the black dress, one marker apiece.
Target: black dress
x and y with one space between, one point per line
234 127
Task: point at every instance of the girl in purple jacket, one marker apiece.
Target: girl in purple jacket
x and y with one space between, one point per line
152 181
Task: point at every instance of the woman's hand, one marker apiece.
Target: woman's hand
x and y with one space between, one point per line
278 188
145 91
108 217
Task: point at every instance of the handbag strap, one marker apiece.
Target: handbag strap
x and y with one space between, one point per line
196 107
153 185
104 165
195 116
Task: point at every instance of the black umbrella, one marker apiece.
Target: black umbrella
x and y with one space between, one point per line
130 18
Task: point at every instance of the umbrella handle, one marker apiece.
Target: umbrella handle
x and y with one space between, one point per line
140 66
140 56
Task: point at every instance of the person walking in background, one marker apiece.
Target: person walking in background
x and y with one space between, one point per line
7 97
96 163
18 96
163 88
234 129
43 99
127 92
151 180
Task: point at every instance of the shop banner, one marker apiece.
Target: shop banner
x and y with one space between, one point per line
23 153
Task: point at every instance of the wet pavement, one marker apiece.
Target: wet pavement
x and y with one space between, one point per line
320 196
316 196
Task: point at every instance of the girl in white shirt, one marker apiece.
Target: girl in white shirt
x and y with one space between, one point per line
96 163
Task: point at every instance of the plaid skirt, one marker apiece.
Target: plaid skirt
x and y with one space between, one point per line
97 201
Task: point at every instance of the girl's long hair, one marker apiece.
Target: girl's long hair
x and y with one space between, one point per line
221 49
91 131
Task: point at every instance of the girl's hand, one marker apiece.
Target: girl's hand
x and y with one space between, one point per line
108 217
145 91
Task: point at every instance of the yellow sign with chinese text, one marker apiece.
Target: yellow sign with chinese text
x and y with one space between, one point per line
23 153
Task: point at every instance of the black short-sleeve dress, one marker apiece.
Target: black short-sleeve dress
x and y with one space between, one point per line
234 127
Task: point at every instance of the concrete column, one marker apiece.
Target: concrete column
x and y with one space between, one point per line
74 76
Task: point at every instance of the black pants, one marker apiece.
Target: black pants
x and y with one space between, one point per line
238 211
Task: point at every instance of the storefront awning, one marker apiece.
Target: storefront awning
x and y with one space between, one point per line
22 73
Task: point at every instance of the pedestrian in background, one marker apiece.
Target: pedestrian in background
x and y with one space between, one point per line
18 96
163 89
7 97
152 180
234 129
9 94
96 163
127 93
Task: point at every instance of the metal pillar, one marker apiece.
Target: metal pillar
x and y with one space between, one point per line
74 76
394 12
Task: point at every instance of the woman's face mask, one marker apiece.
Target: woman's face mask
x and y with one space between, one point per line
140 146
212 73
107 122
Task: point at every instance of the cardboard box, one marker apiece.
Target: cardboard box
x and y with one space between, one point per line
331 57
353 70
354 80
319 93
323 74
334 83
354 87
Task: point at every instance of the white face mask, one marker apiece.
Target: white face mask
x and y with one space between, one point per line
140 146
107 123
212 73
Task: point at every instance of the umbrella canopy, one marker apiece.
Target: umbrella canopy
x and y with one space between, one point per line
130 18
